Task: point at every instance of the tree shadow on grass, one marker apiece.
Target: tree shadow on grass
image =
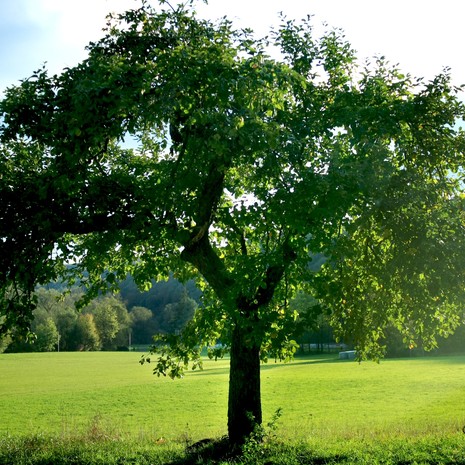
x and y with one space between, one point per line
270 365
208 451
214 451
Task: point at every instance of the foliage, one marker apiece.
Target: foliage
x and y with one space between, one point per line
56 308
248 167
141 332
313 322
63 310
176 315
255 446
106 322
5 341
47 336
170 303
85 333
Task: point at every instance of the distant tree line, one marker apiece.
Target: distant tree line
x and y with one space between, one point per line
132 318
109 322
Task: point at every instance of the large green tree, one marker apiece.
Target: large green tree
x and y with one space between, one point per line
253 155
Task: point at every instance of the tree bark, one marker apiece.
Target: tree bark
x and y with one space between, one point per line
244 406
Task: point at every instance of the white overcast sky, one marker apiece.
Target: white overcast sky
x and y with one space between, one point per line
423 36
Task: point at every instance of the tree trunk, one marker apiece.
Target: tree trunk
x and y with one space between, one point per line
244 407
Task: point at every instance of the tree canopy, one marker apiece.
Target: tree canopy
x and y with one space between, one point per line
254 156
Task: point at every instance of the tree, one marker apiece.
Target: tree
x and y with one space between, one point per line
161 296
105 312
60 309
47 336
85 335
124 323
176 315
66 319
247 166
5 341
142 330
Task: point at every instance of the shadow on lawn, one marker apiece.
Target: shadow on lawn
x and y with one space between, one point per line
297 362
213 451
330 359
212 370
209 451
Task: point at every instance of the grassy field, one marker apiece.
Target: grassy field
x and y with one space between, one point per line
320 397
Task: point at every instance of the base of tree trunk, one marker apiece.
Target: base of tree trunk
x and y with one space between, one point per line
244 407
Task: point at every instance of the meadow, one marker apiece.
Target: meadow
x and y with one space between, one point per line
323 400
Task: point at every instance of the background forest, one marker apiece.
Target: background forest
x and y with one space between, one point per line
129 319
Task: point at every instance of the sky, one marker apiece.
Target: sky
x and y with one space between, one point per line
422 36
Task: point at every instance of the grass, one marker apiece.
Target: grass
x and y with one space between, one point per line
108 406
319 396
65 392
103 450
347 399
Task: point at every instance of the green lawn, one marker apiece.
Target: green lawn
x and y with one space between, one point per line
320 397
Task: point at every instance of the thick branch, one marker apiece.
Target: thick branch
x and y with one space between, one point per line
210 194
203 257
273 276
